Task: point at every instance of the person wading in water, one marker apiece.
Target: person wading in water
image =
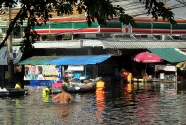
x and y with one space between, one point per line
64 97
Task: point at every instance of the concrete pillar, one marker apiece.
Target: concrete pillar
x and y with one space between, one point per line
163 37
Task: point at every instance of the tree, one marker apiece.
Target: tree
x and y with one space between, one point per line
101 10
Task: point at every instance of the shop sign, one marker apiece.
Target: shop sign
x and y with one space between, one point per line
165 68
75 68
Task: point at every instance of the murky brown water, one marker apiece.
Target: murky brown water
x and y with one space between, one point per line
128 104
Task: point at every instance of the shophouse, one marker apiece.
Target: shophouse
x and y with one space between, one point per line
70 35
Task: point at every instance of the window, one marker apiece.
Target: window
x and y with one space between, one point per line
3 30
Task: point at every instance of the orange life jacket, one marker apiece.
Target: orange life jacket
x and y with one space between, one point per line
100 85
125 74
129 77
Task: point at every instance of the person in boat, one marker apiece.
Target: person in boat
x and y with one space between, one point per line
147 77
66 82
46 91
64 97
18 85
117 75
129 77
58 84
100 85
82 82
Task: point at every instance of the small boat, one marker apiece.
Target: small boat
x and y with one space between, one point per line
4 93
78 87
12 92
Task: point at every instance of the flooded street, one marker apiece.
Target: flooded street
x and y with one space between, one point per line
131 104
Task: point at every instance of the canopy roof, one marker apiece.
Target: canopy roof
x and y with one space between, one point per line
38 60
80 60
170 54
65 60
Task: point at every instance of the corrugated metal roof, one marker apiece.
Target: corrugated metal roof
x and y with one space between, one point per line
143 44
68 44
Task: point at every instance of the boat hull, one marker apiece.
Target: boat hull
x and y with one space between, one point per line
77 89
12 92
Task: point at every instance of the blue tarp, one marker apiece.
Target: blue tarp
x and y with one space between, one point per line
80 60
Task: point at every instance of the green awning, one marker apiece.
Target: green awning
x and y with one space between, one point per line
170 54
38 60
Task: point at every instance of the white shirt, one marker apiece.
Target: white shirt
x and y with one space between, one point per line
40 77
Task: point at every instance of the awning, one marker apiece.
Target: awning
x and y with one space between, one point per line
170 54
142 44
65 60
68 44
38 60
3 55
80 60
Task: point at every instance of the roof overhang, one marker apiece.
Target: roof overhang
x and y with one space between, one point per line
142 44
112 44
172 55
68 44
38 60
65 60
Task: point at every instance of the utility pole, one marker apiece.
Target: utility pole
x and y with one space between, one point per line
9 52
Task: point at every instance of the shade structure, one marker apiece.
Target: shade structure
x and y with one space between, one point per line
147 57
80 60
172 55
38 60
181 65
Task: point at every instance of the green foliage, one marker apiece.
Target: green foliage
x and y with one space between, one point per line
101 10
157 9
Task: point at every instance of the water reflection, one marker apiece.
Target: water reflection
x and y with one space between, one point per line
100 105
135 104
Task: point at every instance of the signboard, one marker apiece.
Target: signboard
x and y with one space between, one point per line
75 68
42 72
162 75
42 75
165 68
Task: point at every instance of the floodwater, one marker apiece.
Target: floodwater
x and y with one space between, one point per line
126 104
